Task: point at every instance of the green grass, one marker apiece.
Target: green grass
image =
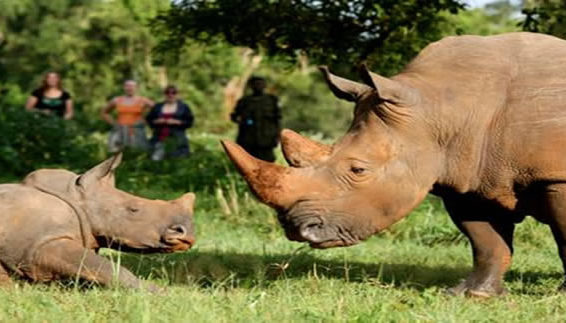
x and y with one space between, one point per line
244 270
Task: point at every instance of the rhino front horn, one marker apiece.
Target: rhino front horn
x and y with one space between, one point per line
272 184
300 151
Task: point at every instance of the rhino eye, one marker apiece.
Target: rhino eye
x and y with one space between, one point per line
357 170
132 209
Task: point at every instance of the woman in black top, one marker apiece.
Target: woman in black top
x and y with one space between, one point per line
50 98
169 120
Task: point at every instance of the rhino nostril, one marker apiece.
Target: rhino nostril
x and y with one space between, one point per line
178 230
312 232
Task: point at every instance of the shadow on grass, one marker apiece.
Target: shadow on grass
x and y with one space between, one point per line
243 270
209 269
213 269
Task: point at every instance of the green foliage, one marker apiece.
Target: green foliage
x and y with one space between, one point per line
33 140
495 18
545 16
96 45
385 33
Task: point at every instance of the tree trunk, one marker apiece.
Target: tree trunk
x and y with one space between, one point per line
236 87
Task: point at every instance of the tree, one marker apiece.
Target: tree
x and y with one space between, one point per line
386 33
495 18
96 45
545 16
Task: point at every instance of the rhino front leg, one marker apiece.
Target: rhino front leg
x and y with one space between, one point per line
67 258
492 248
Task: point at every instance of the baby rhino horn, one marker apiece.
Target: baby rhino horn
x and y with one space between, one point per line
187 201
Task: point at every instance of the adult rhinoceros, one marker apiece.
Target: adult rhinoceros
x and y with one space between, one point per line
478 121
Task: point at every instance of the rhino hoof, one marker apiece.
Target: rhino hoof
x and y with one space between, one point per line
482 293
459 289
467 289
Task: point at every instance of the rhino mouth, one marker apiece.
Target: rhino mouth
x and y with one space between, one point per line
178 244
164 246
313 229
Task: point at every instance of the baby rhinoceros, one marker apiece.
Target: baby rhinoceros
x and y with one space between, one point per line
53 223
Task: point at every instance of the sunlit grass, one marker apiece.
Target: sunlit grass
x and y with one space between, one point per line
244 270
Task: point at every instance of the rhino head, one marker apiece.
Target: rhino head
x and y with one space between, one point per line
373 176
117 219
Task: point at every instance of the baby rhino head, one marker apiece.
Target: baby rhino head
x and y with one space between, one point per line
121 220
118 219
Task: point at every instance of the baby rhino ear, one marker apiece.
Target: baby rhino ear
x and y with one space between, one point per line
187 201
101 172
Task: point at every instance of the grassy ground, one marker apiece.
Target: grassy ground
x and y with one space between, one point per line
243 269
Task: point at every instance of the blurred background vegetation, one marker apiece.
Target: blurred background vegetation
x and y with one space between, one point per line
209 49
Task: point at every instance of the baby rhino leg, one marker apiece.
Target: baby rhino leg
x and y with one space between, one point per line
67 258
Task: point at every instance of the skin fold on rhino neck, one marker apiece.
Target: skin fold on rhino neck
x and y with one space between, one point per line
460 125
85 227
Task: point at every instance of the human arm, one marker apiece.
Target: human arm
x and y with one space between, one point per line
105 113
148 103
185 118
69 109
237 114
31 102
152 117
277 113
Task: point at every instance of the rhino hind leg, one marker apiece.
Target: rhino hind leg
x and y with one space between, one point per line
554 210
492 247
5 279
67 258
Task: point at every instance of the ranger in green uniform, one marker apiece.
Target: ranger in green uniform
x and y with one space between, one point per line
258 116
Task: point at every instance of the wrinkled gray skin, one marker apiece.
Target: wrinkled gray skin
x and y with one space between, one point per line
55 221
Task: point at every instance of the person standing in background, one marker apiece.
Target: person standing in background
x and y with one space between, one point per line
129 126
170 120
51 98
258 116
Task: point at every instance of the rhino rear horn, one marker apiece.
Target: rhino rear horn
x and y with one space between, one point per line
102 171
388 89
300 151
343 88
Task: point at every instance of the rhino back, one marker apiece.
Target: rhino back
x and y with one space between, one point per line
56 180
508 94
29 218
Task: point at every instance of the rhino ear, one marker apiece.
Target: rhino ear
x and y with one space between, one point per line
102 171
187 201
388 89
343 88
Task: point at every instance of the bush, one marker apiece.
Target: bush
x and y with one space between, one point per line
33 140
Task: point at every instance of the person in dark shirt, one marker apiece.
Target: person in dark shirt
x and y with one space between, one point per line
51 98
258 116
169 121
